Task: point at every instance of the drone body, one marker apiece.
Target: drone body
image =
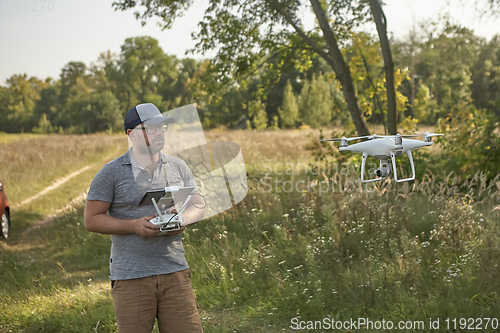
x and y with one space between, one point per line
384 147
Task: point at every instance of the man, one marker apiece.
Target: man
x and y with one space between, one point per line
150 277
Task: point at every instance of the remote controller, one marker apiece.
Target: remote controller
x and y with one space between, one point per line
167 222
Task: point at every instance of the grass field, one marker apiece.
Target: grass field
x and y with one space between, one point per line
6 138
414 253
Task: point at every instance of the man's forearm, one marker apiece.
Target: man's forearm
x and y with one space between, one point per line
192 215
105 224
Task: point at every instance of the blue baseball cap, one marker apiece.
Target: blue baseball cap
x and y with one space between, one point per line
146 113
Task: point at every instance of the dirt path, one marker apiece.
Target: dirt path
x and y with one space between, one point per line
58 213
58 182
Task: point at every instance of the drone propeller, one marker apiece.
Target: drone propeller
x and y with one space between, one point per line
344 139
428 135
373 136
369 137
336 139
394 136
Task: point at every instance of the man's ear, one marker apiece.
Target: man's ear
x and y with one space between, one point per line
130 134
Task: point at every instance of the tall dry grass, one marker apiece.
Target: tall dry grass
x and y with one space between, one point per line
29 165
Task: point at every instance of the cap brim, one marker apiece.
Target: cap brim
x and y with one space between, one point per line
159 120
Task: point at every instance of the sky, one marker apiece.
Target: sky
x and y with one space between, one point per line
39 37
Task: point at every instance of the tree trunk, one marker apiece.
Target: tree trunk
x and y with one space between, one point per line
412 96
336 60
381 22
412 77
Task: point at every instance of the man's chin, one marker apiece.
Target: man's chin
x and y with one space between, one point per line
156 146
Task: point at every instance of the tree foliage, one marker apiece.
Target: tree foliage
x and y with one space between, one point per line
485 90
315 102
441 70
257 112
289 111
18 102
472 141
245 34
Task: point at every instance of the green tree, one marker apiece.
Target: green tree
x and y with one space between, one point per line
44 126
442 58
366 67
72 74
226 112
102 73
144 70
19 101
69 76
246 33
4 102
257 113
79 96
97 112
186 86
424 105
289 112
48 106
471 141
486 77
407 55
445 61
315 102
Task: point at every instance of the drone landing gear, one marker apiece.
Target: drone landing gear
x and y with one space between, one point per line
385 169
393 157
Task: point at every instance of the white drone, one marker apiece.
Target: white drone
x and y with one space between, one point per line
384 147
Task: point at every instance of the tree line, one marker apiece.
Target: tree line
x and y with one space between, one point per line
440 68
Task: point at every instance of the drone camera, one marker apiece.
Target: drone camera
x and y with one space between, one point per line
383 171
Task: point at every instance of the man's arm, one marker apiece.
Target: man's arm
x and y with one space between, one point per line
195 209
96 220
192 214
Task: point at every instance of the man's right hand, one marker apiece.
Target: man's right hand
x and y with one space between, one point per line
145 228
96 220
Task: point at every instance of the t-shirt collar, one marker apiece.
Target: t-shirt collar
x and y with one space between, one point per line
128 159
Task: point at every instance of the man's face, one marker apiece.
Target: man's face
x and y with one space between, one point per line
148 138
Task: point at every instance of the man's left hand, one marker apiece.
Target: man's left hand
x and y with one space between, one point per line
175 232
182 227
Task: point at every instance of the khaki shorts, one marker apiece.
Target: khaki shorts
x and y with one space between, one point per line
168 297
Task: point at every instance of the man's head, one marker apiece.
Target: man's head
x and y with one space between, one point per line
145 126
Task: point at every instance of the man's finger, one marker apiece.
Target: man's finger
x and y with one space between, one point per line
151 232
152 226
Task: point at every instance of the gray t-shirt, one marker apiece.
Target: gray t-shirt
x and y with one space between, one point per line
123 183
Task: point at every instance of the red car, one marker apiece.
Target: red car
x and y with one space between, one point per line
5 212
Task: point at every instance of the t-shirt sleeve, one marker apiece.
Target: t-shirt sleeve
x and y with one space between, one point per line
102 187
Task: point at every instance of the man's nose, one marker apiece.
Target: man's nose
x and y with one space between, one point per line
159 131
